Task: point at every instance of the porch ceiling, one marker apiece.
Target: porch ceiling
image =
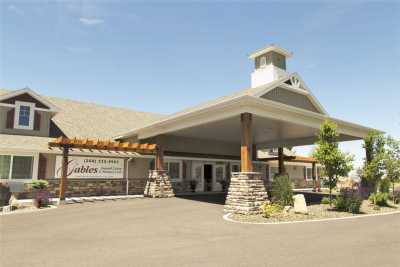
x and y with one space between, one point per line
266 132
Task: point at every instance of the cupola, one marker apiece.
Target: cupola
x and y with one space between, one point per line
269 64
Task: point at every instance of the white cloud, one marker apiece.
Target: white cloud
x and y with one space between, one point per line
16 10
91 21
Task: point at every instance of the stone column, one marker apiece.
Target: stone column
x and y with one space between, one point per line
159 183
246 193
246 190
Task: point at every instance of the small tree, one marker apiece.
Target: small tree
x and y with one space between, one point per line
392 163
327 152
374 166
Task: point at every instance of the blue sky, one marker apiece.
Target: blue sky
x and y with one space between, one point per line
164 56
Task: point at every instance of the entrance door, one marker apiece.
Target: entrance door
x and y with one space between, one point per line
208 177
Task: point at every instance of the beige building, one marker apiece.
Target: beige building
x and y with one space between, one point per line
205 143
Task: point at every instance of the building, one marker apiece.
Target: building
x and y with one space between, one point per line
207 143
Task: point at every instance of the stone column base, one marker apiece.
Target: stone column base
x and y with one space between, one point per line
246 193
158 185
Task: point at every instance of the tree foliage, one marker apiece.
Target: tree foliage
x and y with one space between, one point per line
392 162
336 163
374 165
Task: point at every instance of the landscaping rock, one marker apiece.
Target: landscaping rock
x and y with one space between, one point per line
300 205
287 209
14 203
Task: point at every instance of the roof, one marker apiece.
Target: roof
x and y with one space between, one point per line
270 48
89 120
248 92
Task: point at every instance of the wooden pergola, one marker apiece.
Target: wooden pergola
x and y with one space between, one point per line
66 144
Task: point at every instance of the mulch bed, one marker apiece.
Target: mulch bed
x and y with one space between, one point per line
319 211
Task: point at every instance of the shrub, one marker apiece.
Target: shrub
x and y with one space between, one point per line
348 203
40 194
268 209
384 186
282 191
379 199
39 184
325 200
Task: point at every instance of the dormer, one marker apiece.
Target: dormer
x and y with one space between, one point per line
269 65
23 112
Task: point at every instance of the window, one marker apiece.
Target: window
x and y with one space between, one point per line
16 167
263 61
309 174
5 164
220 172
235 168
274 172
174 169
24 115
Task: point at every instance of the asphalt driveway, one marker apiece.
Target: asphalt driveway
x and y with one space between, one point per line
186 232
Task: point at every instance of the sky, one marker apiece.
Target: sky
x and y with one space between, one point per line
165 56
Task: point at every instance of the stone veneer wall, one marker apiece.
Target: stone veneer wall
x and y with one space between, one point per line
158 185
246 193
94 187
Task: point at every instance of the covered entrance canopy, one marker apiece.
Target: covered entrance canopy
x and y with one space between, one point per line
283 113
272 122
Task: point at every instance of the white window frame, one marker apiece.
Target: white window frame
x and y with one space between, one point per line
309 178
18 105
220 165
175 179
35 162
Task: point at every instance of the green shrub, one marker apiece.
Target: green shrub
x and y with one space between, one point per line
384 186
347 203
379 199
39 184
282 191
268 209
325 200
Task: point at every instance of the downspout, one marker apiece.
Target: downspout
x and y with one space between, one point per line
127 175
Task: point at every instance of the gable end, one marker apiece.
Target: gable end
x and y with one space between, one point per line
290 98
24 98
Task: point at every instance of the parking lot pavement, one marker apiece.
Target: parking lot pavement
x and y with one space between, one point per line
188 231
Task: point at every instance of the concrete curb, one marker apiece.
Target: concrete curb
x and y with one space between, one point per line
226 217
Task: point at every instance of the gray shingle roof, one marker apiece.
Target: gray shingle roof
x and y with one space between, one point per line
89 120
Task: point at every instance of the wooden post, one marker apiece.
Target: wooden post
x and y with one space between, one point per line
281 161
159 158
64 173
314 176
246 140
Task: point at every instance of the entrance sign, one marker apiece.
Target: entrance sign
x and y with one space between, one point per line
91 167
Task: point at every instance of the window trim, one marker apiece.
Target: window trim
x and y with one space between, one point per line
311 178
175 179
34 166
18 105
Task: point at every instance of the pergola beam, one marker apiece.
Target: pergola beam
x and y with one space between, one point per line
108 145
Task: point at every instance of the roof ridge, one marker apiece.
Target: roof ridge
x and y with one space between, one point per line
50 98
